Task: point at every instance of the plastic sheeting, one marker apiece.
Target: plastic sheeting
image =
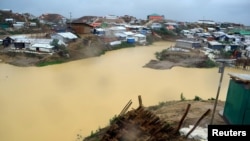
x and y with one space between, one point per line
198 134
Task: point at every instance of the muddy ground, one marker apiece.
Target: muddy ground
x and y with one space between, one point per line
79 49
172 112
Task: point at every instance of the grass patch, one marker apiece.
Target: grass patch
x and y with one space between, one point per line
42 64
160 104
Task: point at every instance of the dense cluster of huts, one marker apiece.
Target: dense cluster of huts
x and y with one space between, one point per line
114 30
116 35
26 43
235 41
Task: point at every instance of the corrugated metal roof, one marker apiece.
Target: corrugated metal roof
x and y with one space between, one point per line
120 35
48 46
240 77
139 35
187 41
117 28
128 33
68 35
213 43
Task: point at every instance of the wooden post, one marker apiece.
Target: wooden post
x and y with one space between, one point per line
221 70
126 107
182 119
197 123
140 101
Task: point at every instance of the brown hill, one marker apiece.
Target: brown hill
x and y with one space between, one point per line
9 14
159 123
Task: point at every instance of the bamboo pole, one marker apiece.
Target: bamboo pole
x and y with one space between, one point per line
183 117
140 101
197 123
126 107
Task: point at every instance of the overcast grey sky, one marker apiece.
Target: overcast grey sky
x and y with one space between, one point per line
237 11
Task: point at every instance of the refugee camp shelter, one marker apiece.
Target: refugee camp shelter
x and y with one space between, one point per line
215 45
98 31
7 41
237 105
64 36
114 30
187 43
140 38
156 26
155 17
21 43
42 47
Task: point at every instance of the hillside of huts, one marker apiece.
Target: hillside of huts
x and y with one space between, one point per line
27 40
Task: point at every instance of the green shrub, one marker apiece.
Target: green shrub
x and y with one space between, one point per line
161 55
197 98
211 98
164 31
182 97
210 64
123 45
161 104
113 119
42 64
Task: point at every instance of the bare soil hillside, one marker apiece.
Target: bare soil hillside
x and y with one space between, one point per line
170 114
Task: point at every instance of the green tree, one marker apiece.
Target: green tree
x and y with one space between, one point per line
60 48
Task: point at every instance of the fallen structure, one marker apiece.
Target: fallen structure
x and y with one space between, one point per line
142 125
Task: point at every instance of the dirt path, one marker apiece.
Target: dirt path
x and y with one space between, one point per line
173 112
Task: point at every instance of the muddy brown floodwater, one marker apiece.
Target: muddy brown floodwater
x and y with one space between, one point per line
60 101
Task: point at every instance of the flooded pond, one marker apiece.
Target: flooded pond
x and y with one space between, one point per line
60 101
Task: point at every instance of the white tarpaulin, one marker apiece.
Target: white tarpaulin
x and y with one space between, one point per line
248 48
198 134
